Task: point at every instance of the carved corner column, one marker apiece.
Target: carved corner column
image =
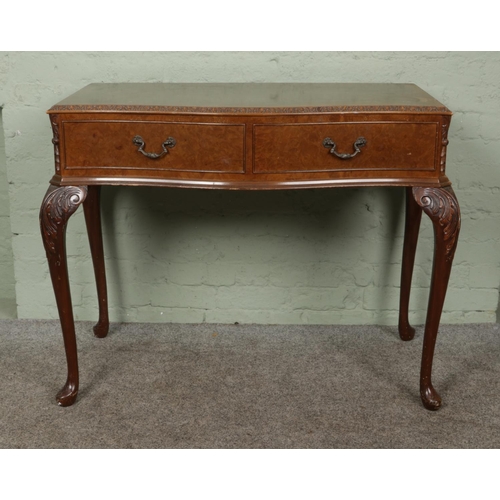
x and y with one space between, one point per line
441 205
57 207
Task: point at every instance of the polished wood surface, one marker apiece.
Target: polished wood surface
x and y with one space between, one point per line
57 207
236 152
442 207
107 145
251 136
249 98
389 146
413 216
92 211
248 136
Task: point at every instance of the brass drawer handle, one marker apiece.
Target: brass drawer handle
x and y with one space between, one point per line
358 143
139 141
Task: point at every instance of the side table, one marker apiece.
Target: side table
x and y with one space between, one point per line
250 136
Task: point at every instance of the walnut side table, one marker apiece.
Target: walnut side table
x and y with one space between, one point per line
250 136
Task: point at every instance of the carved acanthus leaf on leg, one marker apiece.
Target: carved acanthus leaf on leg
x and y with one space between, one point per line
441 205
58 205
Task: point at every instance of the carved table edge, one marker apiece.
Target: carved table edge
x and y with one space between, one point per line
118 108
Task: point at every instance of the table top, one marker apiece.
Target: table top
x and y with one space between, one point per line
250 98
250 135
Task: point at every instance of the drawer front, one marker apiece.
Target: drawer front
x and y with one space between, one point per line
210 147
389 146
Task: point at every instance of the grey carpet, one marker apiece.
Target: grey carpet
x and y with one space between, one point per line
247 386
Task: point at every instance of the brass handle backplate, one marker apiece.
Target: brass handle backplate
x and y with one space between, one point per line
139 141
358 143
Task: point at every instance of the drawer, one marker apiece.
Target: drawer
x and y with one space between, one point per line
199 147
389 146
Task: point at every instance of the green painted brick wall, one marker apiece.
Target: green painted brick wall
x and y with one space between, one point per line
7 290
326 256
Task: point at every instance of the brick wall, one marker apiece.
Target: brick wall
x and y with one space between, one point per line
7 290
325 256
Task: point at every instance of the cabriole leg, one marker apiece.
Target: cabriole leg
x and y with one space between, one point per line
412 226
92 210
441 205
57 207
